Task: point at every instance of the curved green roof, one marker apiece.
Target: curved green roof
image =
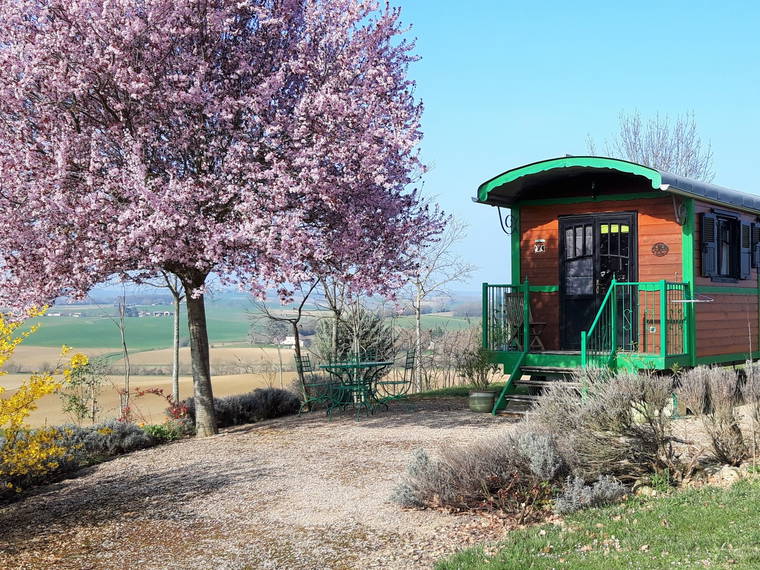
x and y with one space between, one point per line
568 162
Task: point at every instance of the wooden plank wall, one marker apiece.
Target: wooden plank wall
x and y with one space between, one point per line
730 323
655 223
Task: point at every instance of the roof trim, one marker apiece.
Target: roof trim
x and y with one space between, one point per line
710 193
487 187
659 180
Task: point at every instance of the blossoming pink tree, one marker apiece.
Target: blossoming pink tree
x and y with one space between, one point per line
261 140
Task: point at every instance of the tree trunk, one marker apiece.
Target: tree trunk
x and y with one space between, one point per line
125 412
93 403
205 420
334 336
418 344
175 346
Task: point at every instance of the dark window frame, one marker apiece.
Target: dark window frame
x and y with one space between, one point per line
728 225
730 247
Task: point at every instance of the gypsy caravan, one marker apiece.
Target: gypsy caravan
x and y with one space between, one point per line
619 265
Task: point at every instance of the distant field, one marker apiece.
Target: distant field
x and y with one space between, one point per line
435 320
229 323
226 323
149 408
34 358
31 358
224 355
237 366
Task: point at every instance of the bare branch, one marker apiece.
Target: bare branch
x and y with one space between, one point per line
670 145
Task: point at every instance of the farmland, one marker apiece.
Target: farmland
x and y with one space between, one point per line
94 326
230 322
237 366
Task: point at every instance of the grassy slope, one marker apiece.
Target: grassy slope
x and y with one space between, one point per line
445 322
696 528
226 323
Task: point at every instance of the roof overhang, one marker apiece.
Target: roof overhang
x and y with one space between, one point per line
520 183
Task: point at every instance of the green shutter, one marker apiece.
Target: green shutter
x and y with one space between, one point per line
709 227
745 251
755 245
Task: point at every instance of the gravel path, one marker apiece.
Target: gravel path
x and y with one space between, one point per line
299 492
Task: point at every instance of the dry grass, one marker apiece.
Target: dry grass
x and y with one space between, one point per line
149 408
219 356
34 358
236 370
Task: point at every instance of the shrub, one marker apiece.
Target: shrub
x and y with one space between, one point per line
713 394
421 482
261 404
358 326
82 446
751 395
169 431
476 367
621 427
576 495
542 456
88 445
81 394
506 473
25 453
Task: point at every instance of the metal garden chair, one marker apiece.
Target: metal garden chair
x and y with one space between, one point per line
317 388
397 387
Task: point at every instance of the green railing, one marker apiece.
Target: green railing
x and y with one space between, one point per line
647 318
506 317
506 327
599 342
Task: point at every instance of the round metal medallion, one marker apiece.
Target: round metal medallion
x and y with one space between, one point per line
660 249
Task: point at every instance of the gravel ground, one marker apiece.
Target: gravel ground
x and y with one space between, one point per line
298 492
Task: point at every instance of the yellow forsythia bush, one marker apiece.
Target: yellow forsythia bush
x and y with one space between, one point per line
25 452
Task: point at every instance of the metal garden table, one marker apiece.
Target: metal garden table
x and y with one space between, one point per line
354 384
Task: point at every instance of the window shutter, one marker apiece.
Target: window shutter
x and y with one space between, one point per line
745 251
755 245
709 245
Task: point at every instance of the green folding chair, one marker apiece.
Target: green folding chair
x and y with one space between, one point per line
397 386
317 388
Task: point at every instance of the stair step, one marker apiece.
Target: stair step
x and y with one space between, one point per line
508 412
520 398
538 370
546 383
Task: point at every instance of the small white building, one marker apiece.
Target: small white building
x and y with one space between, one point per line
290 342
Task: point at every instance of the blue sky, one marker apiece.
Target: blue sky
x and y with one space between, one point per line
508 83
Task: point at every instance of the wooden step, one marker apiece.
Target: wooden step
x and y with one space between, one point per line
512 413
520 398
547 370
517 405
546 383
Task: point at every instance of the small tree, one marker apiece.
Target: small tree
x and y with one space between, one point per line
359 329
439 267
474 364
335 294
670 145
81 394
121 323
174 285
277 330
291 319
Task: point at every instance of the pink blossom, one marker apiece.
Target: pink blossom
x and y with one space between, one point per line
266 141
